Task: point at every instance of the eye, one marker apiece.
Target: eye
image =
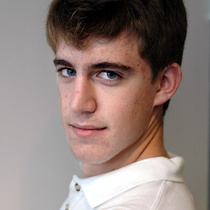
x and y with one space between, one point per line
109 75
67 72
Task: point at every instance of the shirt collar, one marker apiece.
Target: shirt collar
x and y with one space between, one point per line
101 188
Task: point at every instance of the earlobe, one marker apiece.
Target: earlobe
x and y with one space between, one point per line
168 82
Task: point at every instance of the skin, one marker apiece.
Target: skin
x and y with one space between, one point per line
111 108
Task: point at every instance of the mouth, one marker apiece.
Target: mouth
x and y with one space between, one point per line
86 130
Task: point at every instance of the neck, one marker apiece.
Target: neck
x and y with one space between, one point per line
148 146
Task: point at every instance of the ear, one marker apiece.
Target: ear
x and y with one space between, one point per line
168 82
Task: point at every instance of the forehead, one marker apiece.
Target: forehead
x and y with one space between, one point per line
84 43
123 45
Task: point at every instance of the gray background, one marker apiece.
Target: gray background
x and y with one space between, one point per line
35 162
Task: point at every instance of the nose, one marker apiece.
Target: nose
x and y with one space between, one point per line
83 99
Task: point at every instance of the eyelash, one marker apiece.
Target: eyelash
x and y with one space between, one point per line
109 72
60 72
103 75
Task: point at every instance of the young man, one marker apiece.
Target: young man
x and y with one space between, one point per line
118 64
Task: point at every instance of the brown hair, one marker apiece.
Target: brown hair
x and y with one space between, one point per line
161 26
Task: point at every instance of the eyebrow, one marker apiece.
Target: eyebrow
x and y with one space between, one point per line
100 65
61 62
111 65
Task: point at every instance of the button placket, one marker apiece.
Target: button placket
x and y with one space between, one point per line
67 206
77 187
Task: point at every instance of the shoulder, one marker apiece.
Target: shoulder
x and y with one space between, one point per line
157 195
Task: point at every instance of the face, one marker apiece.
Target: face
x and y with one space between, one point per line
106 95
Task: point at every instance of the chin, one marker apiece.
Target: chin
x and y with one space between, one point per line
93 158
96 153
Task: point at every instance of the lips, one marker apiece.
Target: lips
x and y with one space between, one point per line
86 130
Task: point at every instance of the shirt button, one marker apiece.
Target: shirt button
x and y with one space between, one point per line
67 206
77 187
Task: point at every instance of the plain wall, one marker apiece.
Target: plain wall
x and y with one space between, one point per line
35 163
187 124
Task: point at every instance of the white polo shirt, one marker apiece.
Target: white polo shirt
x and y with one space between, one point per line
150 184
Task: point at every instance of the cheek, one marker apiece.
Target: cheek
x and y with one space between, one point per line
134 111
64 101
